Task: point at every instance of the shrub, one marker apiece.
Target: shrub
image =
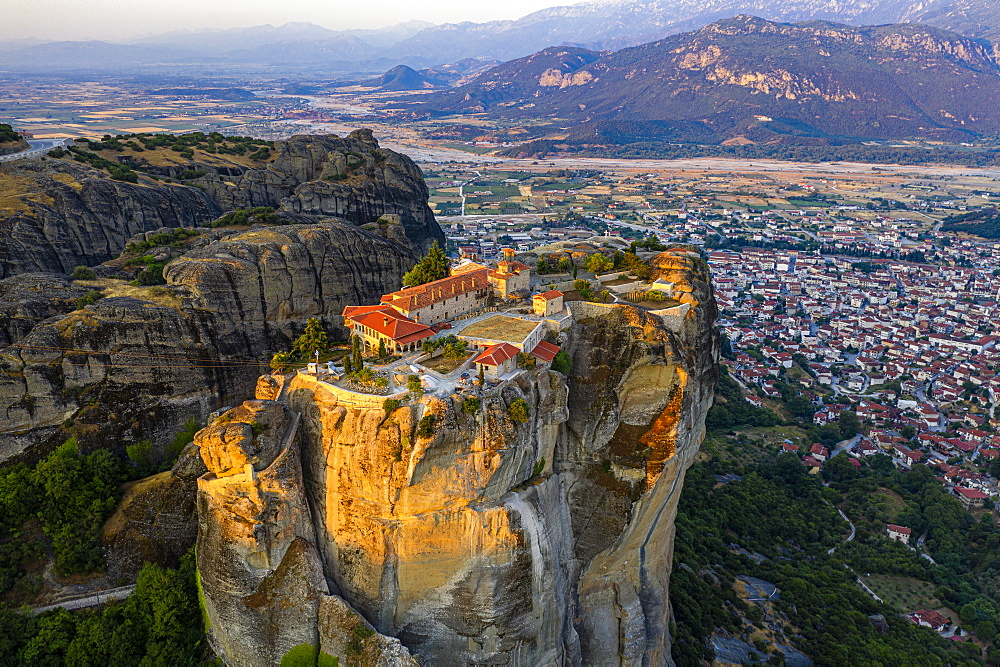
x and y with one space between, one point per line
280 361
525 360
425 427
82 273
454 349
539 467
390 405
413 384
518 411
364 375
562 363
87 299
471 406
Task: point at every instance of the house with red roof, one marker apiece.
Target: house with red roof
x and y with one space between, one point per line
497 360
819 451
547 303
930 619
971 498
898 533
382 323
443 299
510 278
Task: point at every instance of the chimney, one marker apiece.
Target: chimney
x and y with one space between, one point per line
385 321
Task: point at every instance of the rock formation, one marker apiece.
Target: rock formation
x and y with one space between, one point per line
263 582
59 214
156 520
141 361
489 541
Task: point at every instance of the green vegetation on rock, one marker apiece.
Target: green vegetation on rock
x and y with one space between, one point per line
433 266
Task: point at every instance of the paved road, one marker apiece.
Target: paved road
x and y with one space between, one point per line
94 600
38 147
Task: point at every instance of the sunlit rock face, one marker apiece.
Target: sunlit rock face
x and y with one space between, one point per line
490 541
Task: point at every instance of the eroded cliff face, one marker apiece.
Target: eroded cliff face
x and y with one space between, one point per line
59 214
139 365
492 541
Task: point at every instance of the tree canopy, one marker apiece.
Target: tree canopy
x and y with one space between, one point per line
433 266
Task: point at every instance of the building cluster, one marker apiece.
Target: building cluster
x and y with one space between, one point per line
404 319
910 348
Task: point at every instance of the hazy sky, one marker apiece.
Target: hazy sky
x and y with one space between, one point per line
119 19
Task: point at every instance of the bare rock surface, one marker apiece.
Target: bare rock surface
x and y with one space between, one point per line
156 520
139 365
60 214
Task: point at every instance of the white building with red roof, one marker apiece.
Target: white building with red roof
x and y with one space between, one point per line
971 498
382 323
898 533
497 360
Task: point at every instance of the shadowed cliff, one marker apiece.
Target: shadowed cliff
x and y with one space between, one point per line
59 213
139 362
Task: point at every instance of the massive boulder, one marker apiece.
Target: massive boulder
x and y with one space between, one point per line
59 214
156 520
492 541
262 578
143 360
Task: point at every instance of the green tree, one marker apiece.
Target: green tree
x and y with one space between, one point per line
433 266
313 340
425 427
599 263
280 361
518 411
849 424
562 362
382 354
357 361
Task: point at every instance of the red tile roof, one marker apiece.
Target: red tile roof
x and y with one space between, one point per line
902 530
931 617
389 322
412 298
971 494
545 351
549 296
497 354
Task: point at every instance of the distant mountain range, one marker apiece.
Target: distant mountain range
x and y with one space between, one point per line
601 25
615 24
748 80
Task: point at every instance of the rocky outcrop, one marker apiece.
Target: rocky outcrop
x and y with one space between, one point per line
156 520
347 177
263 582
69 215
29 298
59 214
140 362
489 540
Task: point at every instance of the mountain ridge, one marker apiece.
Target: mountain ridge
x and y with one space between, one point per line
594 25
750 80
